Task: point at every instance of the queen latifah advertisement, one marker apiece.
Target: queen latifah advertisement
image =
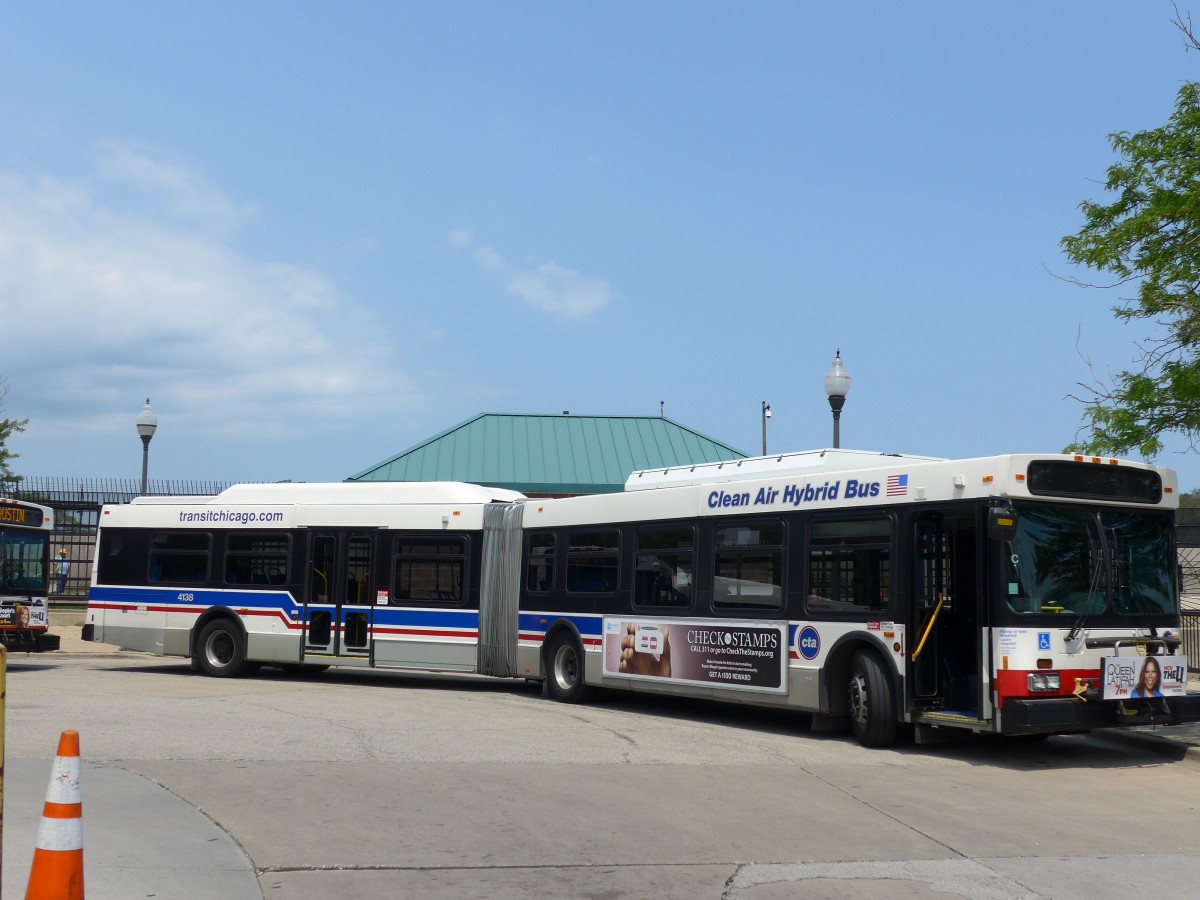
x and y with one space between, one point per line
1141 677
723 654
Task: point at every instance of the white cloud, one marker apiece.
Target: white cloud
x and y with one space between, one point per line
116 297
182 191
559 290
490 259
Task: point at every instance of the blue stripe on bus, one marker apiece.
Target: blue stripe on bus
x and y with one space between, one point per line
282 602
274 601
589 626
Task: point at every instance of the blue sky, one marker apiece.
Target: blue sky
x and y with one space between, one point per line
315 234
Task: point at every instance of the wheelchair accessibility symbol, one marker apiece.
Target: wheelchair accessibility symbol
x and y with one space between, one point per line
1043 640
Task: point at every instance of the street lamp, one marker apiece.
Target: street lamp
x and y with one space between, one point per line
147 423
837 386
766 414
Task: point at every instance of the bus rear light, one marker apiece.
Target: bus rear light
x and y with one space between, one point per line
1045 664
1047 683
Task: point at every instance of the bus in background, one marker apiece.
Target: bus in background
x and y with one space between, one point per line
25 533
1008 595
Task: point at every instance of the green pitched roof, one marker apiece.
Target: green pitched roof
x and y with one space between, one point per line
550 454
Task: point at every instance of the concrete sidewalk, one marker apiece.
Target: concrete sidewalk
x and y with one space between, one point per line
139 839
68 625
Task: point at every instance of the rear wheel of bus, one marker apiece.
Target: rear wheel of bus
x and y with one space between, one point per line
221 650
564 670
872 704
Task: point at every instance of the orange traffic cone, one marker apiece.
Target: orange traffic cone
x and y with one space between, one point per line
57 872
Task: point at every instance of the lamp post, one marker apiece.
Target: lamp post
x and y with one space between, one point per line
766 414
147 423
837 386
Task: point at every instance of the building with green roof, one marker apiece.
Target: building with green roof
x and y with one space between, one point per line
550 454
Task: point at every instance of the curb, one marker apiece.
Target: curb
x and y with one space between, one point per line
1155 742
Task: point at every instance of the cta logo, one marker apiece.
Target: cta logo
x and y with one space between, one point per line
808 642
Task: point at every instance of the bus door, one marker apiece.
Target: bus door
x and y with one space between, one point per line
338 606
945 637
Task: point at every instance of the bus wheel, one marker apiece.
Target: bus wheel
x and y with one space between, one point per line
872 706
221 652
564 678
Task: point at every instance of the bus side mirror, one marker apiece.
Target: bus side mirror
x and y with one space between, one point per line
1002 523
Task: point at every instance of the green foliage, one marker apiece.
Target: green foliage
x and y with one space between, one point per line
1148 237
8 427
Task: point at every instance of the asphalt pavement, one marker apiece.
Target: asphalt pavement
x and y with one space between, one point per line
140 840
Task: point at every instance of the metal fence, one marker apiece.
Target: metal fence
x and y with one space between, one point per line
76 503
1190 628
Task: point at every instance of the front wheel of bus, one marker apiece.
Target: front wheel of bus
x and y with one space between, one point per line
221 651
872 705
564 678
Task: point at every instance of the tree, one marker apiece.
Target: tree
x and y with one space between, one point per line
8 427
1148 237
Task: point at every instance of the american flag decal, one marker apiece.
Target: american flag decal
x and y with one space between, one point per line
897 485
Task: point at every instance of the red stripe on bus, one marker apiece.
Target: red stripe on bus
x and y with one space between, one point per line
414 632
1014 683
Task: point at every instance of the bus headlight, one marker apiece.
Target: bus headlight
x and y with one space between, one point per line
1043 682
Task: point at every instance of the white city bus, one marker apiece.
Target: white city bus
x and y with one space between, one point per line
1002 595
25 532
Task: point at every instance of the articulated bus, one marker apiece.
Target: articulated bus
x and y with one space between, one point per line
25 531
1008 595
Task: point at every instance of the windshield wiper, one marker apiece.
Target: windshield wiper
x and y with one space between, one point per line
1093 587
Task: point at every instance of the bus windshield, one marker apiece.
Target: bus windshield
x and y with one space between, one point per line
22 556
1070 559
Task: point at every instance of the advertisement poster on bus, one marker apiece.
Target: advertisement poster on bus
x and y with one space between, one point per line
22 616
731 655
1140 677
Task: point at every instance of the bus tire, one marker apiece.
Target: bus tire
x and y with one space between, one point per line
564 670
872 703
221 650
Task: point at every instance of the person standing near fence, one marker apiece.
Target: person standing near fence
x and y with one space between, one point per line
61 570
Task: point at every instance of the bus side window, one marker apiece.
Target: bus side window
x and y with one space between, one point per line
432 568
593 561
748 566
539 563
663 570
849 565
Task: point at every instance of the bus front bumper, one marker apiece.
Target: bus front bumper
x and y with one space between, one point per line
1062 715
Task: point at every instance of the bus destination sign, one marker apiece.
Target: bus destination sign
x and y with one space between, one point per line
12 513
